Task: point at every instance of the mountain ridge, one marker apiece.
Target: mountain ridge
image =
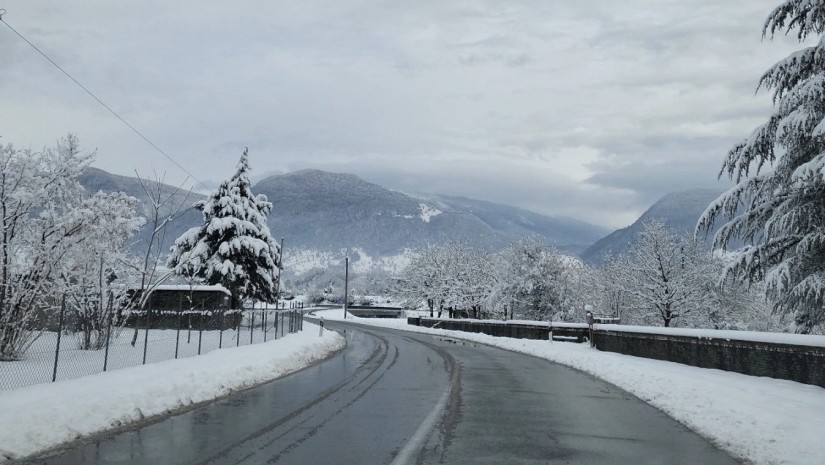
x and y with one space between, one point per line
679 211
325 211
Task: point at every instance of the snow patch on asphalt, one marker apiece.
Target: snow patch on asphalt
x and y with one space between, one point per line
43 416
759 420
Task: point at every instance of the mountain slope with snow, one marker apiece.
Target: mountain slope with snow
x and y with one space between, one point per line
319 214
330 211
679 211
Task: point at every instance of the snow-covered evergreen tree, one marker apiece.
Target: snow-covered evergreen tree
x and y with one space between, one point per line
778 202
233 247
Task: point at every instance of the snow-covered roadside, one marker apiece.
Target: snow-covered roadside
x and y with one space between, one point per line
759 420
39 417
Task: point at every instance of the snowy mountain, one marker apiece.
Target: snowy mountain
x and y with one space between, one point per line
320 213
567 234
94 179
329 211
679 211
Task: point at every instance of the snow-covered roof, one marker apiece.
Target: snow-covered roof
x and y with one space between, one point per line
194 288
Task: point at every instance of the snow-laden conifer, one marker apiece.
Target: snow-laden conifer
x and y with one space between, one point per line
233 247
778 202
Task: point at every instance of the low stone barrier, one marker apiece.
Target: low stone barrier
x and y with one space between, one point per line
518 330
782 356
801 363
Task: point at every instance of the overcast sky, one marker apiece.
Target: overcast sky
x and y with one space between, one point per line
592 109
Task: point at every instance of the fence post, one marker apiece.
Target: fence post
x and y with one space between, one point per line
282 324
108 329
220 335
59 332
590 322
148 324
275 324
238 331
180 323
200 332
263 323
252 326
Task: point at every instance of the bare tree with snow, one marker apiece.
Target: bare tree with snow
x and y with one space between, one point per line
658 276
423 279
94 275
161 206
42 218
531 281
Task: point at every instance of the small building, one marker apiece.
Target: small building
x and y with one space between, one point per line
188 297
172 306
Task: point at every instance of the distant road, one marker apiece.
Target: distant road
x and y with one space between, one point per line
393 397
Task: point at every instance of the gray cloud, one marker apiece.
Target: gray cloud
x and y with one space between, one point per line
590 109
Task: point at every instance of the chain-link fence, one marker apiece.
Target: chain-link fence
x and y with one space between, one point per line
145 337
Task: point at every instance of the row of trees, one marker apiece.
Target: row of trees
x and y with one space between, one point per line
524 280
665 279
670 280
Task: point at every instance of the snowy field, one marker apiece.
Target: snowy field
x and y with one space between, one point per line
39 417
38 365
759 420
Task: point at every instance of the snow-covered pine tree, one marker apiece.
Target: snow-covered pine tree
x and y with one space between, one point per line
233 247
778 202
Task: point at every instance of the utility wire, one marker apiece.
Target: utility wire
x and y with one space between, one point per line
140 134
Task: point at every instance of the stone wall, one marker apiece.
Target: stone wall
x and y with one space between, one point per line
501 329
804 364
800 363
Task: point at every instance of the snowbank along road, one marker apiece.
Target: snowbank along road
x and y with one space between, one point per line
392 397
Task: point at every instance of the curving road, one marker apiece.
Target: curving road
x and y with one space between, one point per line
392 397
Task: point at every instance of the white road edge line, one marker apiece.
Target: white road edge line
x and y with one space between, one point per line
416 442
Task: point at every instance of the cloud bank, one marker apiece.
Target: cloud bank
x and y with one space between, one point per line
588 109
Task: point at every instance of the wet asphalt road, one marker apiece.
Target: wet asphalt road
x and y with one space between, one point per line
392 397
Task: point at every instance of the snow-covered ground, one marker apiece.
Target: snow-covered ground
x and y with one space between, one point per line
759 420
300 261
39 417
38 365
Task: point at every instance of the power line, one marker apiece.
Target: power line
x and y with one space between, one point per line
116 115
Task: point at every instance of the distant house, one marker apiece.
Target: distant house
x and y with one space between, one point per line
188 297
183 305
